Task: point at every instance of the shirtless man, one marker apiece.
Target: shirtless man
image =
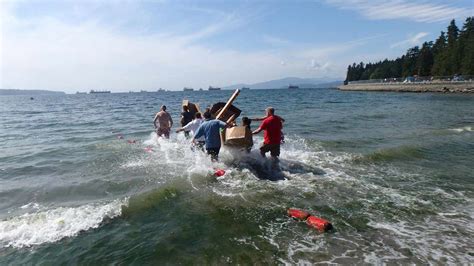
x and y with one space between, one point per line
164 124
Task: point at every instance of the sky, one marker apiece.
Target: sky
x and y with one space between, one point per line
124 45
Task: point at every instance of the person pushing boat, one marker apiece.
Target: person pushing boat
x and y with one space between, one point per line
271 125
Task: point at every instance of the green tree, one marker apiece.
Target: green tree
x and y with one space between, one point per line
409 62
466 47
425 60
453 61
439 54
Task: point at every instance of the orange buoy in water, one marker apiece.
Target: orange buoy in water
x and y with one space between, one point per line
319 223
298 214
219 172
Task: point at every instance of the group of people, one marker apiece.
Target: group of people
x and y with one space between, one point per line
206 132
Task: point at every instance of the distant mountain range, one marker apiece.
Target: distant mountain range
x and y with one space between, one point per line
29 92
285 82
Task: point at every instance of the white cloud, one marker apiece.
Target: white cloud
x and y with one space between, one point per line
411 41
420 11
47 53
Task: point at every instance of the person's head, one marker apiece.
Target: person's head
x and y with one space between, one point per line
163 108
185 108
270 111
246 121
207 115
198 115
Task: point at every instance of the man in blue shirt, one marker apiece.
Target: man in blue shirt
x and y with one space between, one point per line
210 129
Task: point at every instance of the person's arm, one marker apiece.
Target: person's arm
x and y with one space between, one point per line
199 133
186 127
223 124
258 118
260 128
256 131
171 120
154 120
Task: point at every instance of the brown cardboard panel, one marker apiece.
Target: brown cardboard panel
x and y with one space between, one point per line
193 108
239 136
216 108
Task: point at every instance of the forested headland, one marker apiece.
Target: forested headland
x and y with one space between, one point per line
452 53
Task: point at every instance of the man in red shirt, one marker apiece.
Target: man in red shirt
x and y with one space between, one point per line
272 126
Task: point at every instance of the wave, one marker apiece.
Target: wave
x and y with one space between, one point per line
392 154
49 226
462 129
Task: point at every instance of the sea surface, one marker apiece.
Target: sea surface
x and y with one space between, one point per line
85 180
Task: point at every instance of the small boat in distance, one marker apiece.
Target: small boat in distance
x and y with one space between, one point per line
81 92
94 91
293 87
214 88
245 88
188 89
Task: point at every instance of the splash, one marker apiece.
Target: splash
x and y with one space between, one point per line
49 226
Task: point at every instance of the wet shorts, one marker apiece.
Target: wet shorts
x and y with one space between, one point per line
163 131
274 149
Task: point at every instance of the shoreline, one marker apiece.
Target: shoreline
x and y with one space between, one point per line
444 87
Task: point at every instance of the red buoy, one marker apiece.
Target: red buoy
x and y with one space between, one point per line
298 214
319 223
219 172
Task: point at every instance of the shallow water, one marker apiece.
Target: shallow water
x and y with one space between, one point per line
393 172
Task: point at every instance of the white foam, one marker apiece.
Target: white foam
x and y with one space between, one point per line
52 225
462 129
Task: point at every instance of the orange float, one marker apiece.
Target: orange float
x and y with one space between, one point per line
319 223
219 172
298 214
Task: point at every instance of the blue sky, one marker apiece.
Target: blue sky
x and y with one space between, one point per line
133 45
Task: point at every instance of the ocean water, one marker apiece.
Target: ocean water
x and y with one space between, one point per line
393 172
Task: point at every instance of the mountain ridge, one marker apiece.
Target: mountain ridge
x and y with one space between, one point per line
323 82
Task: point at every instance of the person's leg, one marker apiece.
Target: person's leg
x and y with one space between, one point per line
264 149
159 132
186 134
166 133
201 145
275 150
214 152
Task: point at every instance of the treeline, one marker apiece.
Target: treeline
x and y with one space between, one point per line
452 53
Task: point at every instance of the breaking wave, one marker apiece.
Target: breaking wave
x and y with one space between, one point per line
53 225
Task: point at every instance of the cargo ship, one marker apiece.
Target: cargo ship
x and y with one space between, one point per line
214 88
188 89
293 87
94 91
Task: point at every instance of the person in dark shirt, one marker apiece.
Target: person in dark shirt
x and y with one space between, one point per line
272 126
210 129
186 117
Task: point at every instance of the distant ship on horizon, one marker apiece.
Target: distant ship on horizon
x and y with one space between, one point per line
214 88
188 89
293 87
94 91
245 88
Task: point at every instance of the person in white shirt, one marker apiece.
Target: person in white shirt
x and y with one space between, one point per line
193 126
